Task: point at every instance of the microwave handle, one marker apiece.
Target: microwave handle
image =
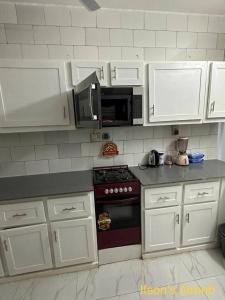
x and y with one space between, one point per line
94 117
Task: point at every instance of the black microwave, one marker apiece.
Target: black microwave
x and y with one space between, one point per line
97 107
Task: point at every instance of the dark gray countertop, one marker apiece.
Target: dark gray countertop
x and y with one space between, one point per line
45 185
171 174
81 181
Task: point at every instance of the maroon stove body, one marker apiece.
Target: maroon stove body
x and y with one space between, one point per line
117 205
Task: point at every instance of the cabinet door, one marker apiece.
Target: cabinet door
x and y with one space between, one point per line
74 242
81 70
126 73
1 269
216 103
33 94
199 223
26 249
162 228
176 91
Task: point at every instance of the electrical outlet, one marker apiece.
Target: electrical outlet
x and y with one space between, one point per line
96 136
175 130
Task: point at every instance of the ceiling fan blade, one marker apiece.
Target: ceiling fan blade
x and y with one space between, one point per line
90 4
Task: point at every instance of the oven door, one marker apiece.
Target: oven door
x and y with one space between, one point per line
118 222
87 103
116 110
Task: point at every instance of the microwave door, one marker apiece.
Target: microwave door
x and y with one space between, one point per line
87 103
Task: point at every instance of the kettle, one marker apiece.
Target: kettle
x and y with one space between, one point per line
153 158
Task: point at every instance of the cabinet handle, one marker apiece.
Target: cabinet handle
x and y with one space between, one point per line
178 219
152 110
212 106
5 245
163 198
114 73
188 218
203 194
55 236
64 112
69 209
102 75
19 215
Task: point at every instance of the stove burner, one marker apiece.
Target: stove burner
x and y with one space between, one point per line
112 174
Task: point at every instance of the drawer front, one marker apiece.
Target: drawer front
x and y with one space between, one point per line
76 206
22 214
163 196
201 192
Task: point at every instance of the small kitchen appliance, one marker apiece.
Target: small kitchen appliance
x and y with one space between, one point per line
117 206
182 157
153 158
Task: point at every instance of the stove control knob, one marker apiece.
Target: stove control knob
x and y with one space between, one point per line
111 191
130 189
120 190
106 191
116 190
125 189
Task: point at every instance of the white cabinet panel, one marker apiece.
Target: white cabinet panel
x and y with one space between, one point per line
126 73
1 269
76 206
33 94
80 70
199 223
22 214
216 103
74 242
162 228
201 192
26 249
176 91
163 196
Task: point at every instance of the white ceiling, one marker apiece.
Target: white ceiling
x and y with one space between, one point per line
190 6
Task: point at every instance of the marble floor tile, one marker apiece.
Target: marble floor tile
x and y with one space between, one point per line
204 263
119 278
165 270
218 283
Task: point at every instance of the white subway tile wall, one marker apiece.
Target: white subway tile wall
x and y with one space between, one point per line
50 152
108 34
48 32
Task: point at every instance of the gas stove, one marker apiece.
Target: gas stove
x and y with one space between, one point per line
115 181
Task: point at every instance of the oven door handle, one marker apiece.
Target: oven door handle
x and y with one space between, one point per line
126 201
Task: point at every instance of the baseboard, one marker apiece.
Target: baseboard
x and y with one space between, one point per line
50 272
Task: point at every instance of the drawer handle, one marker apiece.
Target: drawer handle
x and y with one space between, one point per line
19 215
163 198
188 218
203 194
69 209
178 219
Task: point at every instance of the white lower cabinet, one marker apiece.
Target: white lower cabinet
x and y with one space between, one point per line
1 269
162 228
26 249
73 242
199 223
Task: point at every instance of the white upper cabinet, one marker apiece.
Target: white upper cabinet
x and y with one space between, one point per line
33 93
81 70
199 223
216 103
176 91
26 249
127 73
